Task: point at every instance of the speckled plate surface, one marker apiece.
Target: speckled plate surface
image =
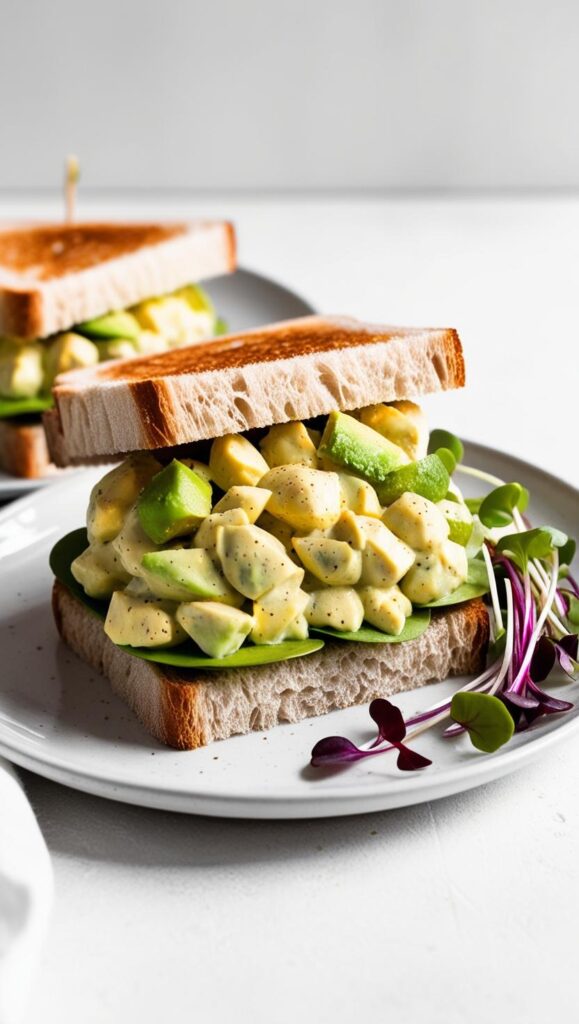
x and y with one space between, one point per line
60 719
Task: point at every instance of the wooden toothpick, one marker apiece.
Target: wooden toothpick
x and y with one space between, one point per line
71 176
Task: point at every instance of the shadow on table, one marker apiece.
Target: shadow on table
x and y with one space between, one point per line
77 825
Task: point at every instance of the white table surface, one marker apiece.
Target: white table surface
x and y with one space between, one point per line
464 909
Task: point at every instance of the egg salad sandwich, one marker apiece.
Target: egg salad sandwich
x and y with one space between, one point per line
74 295
277 541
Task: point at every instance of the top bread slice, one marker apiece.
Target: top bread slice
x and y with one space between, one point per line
53 276
286 371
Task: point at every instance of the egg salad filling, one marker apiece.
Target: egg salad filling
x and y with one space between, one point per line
319 525
28 368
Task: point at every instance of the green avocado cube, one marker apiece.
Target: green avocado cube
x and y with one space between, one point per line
174 503
459 519
428 477
217 629
187 574
111 325
359 448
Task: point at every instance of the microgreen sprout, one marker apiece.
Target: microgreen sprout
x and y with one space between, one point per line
533 629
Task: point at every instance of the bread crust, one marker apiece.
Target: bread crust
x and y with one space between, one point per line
186 709
57 275
23 449
287 371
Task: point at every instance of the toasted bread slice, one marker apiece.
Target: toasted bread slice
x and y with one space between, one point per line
287 371
54 276
187 709
23 449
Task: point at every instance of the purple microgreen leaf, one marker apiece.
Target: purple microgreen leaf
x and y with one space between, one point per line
335 750
521 700
568 652
409 760
485 718
389 720
543 660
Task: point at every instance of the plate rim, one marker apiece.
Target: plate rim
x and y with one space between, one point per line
285 803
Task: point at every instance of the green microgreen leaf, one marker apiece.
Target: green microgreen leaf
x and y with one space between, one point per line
473 504
485 718
414 626
497 508
444 439
573 613
567 552
475 585
447 458
536 543
221 327
24 406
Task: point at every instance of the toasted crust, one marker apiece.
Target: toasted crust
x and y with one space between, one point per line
23 449
55 276
189 709
287 371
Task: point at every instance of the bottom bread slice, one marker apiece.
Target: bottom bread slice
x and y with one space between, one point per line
188 708
23 449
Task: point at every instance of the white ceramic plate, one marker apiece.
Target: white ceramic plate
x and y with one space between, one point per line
58 718
244 300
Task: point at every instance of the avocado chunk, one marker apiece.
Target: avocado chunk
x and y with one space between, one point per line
360 449
235 462
186 574
459 519
142 622
251 499
385 558
21 371
428 477
112 497
403 423
307 499
216 628
385 609
132 543
174 502
289 444
99 571
253 561
206 536
120 324
337 607
117 348
173 317
333 562
68 352
435 574
279 614
417 521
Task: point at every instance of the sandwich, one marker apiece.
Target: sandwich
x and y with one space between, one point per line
74 295
277 541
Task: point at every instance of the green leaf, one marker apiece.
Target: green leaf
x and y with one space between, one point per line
567 552
476 584
537 543
497 647
485 718
447 458
187 655
473 504
221 327
497 508
573 613
414 626
444 439
24 406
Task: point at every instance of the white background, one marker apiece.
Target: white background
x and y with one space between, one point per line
290 93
